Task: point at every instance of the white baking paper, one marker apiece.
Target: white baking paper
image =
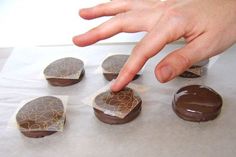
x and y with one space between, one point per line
157 131
12 124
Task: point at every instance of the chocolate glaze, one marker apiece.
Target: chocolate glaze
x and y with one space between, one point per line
112 65
37 134
116 120
64 72
197 103
41 117
125 103
111 76
65 82
197 70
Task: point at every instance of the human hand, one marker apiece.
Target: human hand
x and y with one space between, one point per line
209 27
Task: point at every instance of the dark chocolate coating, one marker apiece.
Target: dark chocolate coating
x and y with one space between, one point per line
116 120
62 71
37 134
188 74
65 82
125 101
197 103
200 66
112 65
111 76
41 117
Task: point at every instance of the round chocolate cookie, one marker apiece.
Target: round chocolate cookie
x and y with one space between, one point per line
41 117
117 107
197 70
64 72
112 65
197 103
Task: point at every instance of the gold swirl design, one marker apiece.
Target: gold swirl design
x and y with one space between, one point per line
64 67
41 114
117 103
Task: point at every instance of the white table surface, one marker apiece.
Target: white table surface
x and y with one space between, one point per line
156 132
4 54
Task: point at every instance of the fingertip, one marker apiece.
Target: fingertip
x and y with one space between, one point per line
173 64
76 40
164 73
114 87
84 13
119 83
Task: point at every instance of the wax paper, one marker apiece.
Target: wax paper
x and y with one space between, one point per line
57 126
157 131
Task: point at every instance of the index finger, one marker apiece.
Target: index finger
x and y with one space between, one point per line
105 9
151 44
141 53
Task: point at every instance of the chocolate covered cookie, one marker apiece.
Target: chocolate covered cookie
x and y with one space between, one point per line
197 103
112 65
196 70
41 117
117 107
64 72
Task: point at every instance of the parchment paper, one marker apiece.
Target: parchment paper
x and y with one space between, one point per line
12 123
157 131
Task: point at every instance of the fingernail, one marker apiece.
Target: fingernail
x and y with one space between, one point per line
166 73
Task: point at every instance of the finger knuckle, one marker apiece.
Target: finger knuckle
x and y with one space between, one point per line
142 56
102 5
145 54
126 2
173 13
101 8
120 18
129 70
175 21
99 32
183 62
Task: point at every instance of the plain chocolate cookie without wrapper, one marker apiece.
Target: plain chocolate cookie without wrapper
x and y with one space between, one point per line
125 102
197 103
64 72
197 70
41 117
112 65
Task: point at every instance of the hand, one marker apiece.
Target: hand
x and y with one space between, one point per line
209 27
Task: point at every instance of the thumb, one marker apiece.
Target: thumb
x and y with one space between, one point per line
181 59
